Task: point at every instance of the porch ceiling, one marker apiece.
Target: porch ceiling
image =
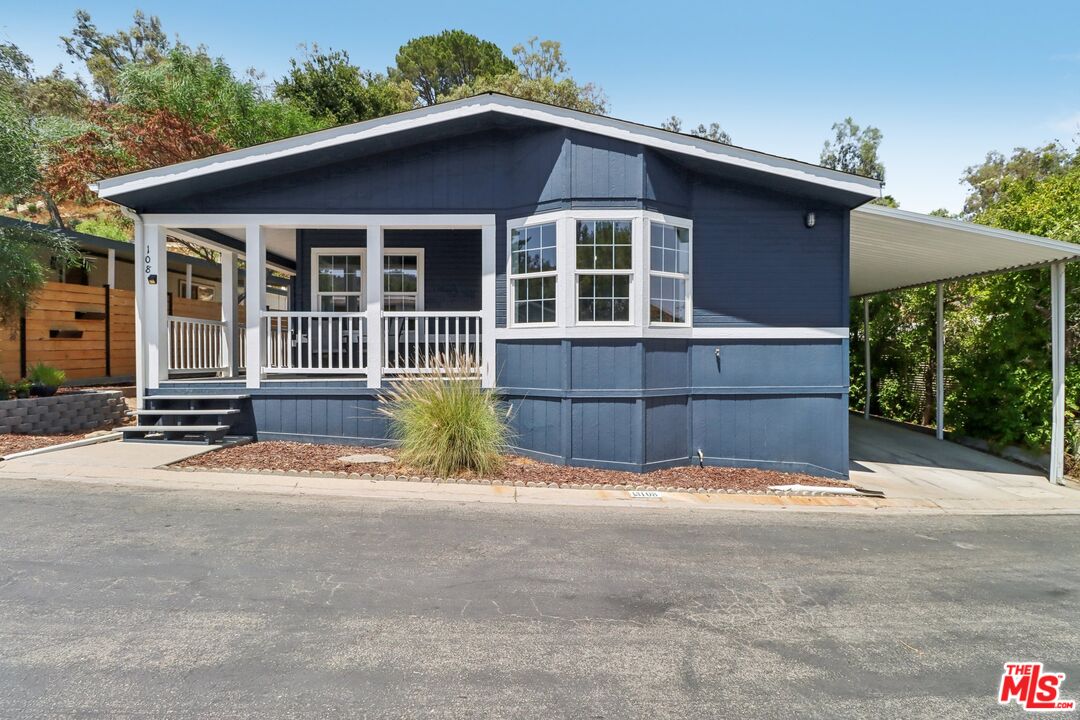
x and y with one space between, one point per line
893 249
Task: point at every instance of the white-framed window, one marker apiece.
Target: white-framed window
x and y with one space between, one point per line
403 279
533 277
604 270
199 291
599 267
337 283
669 273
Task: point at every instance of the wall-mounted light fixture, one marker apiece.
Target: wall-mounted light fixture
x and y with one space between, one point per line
151 279
810 219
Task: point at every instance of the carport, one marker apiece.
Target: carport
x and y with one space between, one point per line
895 249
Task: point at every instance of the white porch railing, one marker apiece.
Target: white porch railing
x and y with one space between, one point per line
314 343
413 341
196 345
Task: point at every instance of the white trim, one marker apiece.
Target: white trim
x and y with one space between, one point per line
313 257
491 103
690 333
374 313
487 304
156 299
110 273
419 253
295 221
1057 365
939 355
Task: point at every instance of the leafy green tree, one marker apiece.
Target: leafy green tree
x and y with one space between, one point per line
542 74
107 54
18 151
203 91
989 181
23 251
435 65
854 150
332 89
714 132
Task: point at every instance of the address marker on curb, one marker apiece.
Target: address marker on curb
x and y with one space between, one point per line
644 494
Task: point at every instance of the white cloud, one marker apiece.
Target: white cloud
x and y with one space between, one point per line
1069 124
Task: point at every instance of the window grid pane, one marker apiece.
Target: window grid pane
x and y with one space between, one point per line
340 281
604 245
603 298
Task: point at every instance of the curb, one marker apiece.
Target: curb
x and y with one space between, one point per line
508 483
63 446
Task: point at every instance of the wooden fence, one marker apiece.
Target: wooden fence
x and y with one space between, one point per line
71 327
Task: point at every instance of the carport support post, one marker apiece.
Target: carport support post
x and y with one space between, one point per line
1057 350
939 350
866 348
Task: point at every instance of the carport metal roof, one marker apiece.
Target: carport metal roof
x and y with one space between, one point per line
893 249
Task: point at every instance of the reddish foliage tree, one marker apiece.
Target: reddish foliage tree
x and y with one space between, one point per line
123 140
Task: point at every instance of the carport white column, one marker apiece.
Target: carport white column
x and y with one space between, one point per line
156 301
866 351
939 351
228 312
255 294
1057 349
140 311
187 277
373 284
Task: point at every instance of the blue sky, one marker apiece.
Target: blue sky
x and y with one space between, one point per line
944 81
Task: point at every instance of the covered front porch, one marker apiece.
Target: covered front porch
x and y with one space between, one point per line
373 297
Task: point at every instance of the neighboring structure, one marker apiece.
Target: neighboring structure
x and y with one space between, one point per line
642 298
83 321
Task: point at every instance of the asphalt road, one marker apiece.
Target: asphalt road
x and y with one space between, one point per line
120 603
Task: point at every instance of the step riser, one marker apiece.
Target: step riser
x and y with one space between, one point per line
185 418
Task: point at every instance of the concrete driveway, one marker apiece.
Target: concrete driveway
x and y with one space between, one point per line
910 464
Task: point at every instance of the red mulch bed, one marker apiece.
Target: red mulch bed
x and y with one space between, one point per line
11 443
294 457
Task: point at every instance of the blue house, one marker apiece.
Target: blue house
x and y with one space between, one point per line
642 298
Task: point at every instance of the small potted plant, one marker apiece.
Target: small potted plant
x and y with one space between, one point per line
45 379
21 389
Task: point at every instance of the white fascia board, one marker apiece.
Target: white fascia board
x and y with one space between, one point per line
1067 249
610 127
733 332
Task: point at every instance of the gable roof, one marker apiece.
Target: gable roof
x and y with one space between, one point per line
666 140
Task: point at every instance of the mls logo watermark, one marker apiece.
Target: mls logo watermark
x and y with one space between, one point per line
1032 688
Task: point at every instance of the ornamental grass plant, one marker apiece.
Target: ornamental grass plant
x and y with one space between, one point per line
446 423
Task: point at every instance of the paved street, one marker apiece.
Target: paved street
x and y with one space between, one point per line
120 602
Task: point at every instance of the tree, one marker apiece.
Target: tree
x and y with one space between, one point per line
203 91
988 181
106 55
541 74
22 273
18 152
435 65
330 88
124 139
854 150
714 132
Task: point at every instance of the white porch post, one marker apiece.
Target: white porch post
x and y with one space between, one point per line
1057 335
373 284
156 299
255 293
140 311
939 350
110 269
187 277
231 344
487 349
866 352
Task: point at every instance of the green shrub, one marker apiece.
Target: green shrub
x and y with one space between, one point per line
6 389
21 389
46 375
447 423
104 227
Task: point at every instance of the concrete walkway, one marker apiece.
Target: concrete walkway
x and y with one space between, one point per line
907 464
913 470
